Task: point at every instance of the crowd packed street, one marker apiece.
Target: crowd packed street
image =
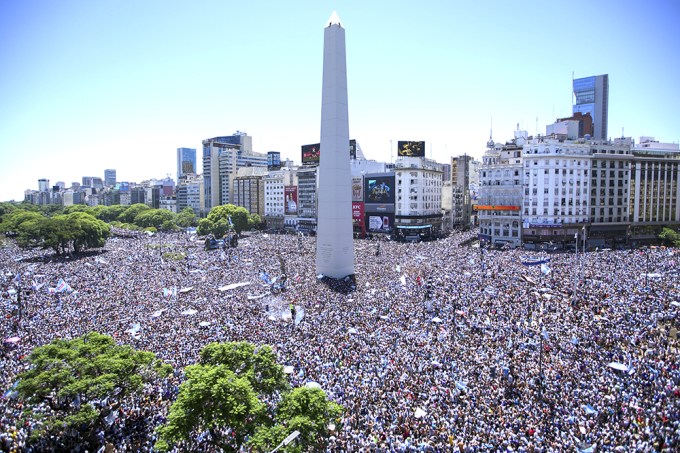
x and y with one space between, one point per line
439 346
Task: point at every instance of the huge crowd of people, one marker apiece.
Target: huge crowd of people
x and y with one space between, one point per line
436 346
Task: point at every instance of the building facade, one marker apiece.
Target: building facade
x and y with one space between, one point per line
186 162
248 190
499 206
418 198
654 186
592 96
556 186
307 196
110 177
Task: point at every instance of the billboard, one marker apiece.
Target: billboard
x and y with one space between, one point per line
379 189
311 153
378 208
379 223
291 200
357 189
411 149
358 214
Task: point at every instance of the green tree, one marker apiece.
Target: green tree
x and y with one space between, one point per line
132 211
258 365
7 207
670 237
232 394
304 409
77 208
62 233
255 221
218 221
155 218
73 377
214 399
108 213
186 218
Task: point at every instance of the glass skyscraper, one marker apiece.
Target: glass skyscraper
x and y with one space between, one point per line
592 96
186 161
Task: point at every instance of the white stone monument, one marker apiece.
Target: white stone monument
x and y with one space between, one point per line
334 240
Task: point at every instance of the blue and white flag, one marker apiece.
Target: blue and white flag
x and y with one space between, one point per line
545 269
230 222
533 261
265 277
62 286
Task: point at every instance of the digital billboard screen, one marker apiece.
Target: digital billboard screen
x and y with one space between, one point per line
291 195
379 189
311 153
380 223
411 149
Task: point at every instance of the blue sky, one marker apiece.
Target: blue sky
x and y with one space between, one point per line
89 85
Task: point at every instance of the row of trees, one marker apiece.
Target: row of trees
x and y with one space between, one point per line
63 233
237 394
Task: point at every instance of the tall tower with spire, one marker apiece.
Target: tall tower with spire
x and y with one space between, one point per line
334 242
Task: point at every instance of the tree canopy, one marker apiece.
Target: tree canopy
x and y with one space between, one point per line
82 381
62 233
218 221
670 237
239 395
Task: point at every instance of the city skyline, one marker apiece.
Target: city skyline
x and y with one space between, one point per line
122 86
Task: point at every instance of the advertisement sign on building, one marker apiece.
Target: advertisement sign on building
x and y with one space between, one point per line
358 214
357 189
311 153
291 200
411 149
379 189
379 223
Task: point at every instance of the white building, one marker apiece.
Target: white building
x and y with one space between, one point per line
556 185
275 183
500 195
190 193
418 201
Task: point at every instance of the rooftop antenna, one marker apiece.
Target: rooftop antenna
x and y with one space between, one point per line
536 125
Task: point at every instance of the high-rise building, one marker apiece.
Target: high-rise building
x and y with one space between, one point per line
110 177
335 246
95 182
222 157
186 161
43 185
248 189
592 96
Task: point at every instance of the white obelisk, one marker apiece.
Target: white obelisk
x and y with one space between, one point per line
334 240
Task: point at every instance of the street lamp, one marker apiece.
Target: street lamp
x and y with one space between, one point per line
291 437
